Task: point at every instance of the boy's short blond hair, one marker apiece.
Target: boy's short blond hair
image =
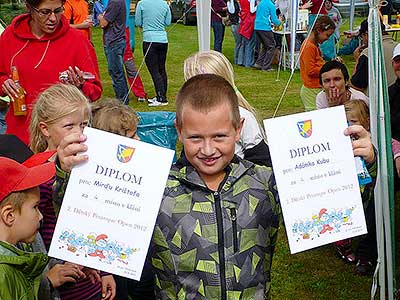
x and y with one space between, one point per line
113 116
203 93
15 199
360 109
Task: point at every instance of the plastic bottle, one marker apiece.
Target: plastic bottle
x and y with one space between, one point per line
19 103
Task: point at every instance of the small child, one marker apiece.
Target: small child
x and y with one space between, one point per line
215 204
357 113
20 271
109 115
59 111
328 48
335 16
251 145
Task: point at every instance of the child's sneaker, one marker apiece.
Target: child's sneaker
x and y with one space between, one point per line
364 268
344 251
141 99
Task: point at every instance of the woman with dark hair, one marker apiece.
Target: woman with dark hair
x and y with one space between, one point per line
41 44
311 60
334 79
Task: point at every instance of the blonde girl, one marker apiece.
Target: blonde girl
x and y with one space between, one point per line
61 110
252 145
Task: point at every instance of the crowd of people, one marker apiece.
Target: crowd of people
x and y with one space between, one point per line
225 165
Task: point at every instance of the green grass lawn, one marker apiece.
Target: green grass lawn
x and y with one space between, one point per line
315 274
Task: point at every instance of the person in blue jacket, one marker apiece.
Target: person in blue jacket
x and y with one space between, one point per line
153 16
265 15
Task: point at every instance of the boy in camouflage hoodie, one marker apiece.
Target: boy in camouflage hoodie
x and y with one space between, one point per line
218 222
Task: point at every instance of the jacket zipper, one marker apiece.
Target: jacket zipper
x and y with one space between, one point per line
221 252
234 230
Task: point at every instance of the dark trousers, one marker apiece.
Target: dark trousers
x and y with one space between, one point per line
137 290
267 41
367 249
219 33
155 62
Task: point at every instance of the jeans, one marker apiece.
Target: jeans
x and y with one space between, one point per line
155 62
219 32
114 54
266 39
237 51
135 83
246 51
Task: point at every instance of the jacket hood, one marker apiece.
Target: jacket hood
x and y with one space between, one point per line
20 27
31 264
182 170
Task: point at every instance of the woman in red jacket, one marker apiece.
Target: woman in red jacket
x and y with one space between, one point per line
41 45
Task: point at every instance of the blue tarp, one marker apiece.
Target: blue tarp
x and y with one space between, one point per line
158 128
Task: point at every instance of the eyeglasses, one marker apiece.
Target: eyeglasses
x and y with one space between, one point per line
46 12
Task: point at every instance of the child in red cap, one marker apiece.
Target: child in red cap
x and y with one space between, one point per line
20 271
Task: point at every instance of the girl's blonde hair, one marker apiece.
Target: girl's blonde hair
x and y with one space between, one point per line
359 109
112 116
213 62
54 103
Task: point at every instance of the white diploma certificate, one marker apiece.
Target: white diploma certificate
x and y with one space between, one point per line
316 177
111 203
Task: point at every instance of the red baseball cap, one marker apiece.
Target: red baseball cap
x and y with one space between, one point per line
15 177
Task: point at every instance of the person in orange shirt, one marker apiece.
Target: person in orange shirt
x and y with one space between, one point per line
77 12
311 61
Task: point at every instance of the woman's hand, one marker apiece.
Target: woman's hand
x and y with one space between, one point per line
75 77
333 97
307 5
10 89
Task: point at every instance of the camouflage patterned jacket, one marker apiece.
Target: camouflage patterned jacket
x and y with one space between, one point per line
216 245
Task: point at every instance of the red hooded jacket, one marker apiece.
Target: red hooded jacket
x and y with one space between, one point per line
246 26
39 63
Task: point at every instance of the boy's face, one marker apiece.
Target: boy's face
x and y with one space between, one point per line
27 221
209 141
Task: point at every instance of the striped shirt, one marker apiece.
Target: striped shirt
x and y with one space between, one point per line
83 289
